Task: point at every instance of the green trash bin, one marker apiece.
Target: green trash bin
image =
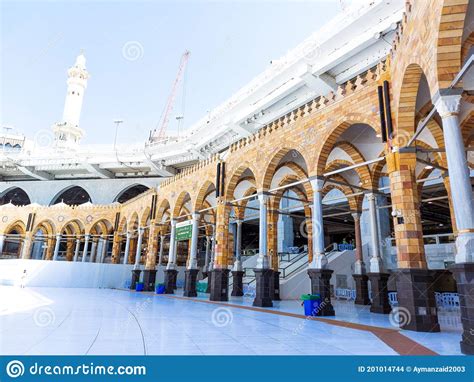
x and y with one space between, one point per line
311 303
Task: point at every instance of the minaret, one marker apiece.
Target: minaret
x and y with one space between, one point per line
67 133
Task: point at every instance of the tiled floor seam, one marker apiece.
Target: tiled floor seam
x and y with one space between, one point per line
391 337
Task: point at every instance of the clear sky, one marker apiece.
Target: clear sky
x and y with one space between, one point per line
230 43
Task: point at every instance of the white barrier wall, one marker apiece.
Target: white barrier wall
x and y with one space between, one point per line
65 274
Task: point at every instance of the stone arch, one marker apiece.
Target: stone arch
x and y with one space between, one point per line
145 216
450 34
275 163
17 226
236 178
322 154
47 226
206 189
163 207
74 226
179 205
101 227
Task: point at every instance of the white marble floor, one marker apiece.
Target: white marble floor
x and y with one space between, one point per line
103 321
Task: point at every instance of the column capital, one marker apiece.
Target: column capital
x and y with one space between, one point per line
356 215
317 184
239 221
262 197
371 196
448 105
196 215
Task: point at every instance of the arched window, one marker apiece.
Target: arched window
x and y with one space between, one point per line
72 196
16 196
130 193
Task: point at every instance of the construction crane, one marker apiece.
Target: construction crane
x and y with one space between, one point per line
159 133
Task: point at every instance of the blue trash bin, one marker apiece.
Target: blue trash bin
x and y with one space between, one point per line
311 304
160 289
139 287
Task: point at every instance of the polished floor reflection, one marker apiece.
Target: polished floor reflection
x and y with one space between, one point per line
103 321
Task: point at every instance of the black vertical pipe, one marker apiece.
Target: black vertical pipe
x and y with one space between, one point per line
218 180
388 110
383 125
222 178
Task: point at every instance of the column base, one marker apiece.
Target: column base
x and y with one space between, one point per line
149 278
464 275
190 283
378 285
237 283
362 289
219 285
320 284
275 286
263 282
135 278
170 280
416 300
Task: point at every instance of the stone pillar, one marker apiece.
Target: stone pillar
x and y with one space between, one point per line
192 268
86 247
413 279
378 278
76 250
127 248
170 272
360 277
463 205
56 247
26 248
220 272
93 250
2 243
211 261
138 253
272 244
116 245
237 271
69 249
105 247
263 272
318 273
162 246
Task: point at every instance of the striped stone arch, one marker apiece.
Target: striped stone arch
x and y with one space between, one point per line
466 46
405 126
122 227
357 157
236 178
467 129
183 197
47 226
73 227
354 205
274 163
101 227
204 191
300 175
377 170
145 216
449 43
17 225
337 164
163 207
329 141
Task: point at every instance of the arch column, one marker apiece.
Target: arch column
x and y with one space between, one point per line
116 248
26 247
56 247
69 249
127 249
2 243
317 270
76 249
360 277
86 248
263 272
378 278
414 281
149 274
272 242
171 272
162 247
237 271
192 268
219 287
463 204
93 250
136 271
